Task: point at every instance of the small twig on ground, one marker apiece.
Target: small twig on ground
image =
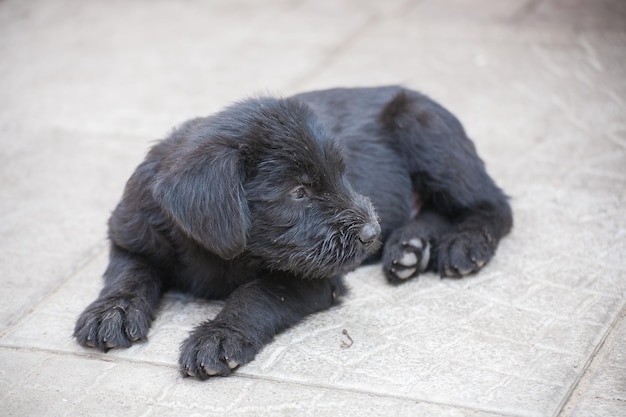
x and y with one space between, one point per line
344 344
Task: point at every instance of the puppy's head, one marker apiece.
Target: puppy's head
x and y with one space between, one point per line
262 178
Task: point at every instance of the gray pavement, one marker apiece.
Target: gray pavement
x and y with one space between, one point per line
87 86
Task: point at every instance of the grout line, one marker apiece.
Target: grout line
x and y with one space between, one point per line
459 407
252 377
91 255
597 354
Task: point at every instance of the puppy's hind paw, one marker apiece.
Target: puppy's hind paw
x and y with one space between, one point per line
464 253
406 259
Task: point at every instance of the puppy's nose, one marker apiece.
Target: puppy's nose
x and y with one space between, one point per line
369 232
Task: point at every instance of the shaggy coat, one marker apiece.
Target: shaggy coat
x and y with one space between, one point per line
268 203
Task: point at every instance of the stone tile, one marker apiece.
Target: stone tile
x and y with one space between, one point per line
58 189
602 388
616 355
558 368
66 385
600 407
528 397
15 366
579 14
145 69
610 384
408 342
577 338
561 301
523 325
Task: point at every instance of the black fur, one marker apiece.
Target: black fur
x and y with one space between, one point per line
264 204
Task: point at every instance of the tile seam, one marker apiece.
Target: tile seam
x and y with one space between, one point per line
618 318
90 256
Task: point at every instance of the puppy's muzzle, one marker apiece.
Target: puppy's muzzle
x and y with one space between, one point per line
369 233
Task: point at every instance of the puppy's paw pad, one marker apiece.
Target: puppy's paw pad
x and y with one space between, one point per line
408 259
213 349
464 253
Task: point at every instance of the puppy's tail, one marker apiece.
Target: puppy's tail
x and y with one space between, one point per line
392 114
412 110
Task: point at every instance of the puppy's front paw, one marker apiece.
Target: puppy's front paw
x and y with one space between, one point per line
406 259
113 322
465 253
215 349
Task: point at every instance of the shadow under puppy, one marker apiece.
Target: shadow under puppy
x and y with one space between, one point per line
269 202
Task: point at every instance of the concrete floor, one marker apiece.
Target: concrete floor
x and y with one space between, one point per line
87 86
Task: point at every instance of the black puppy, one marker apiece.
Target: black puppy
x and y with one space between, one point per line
264 204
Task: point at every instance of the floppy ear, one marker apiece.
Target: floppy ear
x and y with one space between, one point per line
202 190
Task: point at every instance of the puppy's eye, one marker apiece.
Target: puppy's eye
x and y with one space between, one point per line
299 193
